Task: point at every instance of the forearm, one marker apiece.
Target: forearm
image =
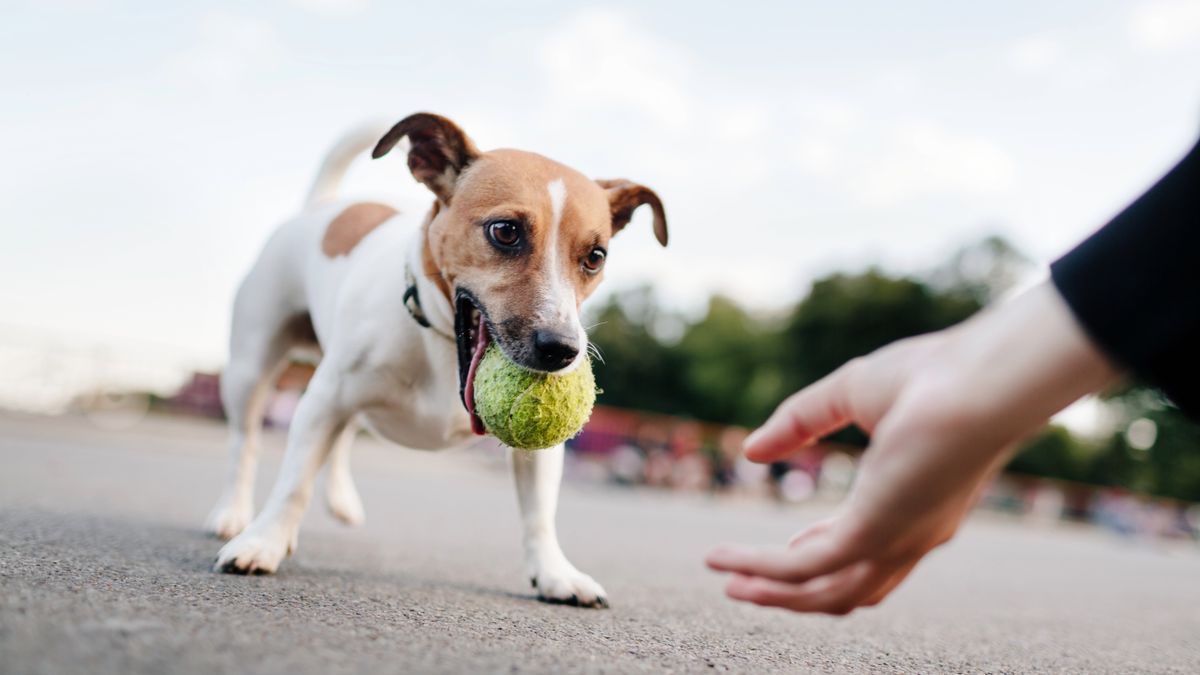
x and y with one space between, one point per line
1026 359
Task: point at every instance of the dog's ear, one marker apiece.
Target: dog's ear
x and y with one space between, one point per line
440 151
625 196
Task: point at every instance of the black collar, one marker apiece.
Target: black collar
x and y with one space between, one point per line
412 302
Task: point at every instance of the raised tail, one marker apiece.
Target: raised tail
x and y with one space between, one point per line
339 158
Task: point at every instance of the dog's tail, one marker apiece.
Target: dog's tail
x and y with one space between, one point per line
339 158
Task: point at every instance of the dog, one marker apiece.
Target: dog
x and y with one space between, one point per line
400 308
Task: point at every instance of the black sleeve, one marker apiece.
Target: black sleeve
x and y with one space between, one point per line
1135 285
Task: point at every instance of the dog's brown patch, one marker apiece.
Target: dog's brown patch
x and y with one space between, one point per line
430 266
351 225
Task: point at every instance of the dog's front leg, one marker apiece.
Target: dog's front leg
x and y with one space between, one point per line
271 536
538 475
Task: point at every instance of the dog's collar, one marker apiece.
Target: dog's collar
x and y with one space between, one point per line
412 302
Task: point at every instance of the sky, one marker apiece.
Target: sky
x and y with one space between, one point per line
148 149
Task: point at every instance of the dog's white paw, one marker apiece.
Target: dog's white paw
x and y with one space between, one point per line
562 584
255 551
228 518
344 503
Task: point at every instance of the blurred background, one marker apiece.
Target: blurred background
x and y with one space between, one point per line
835 178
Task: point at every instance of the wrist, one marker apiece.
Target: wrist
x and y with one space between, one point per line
1030 357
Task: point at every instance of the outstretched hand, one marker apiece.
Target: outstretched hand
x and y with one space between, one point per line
943 411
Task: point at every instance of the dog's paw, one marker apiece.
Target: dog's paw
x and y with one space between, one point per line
344 503
564 585
228 519
252 552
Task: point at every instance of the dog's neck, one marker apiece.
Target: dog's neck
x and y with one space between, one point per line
432 291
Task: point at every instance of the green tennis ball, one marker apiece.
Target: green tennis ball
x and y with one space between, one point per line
530 410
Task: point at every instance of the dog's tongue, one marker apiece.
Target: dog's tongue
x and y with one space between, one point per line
481 344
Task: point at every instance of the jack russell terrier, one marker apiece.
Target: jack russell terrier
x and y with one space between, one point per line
397 304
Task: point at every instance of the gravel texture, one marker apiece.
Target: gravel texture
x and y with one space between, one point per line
104 569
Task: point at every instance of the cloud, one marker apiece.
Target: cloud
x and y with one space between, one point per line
601 58
768 158
228 49
1166 25
1034 54
332 6
923 159
823 127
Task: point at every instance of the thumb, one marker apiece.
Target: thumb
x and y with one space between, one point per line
818 409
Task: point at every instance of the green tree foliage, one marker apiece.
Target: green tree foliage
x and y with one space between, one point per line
733 366
845 316
1173 462
638 370
982 271
720 369
1170 467
729 351
1054 453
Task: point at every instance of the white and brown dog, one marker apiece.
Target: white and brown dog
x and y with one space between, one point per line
401 308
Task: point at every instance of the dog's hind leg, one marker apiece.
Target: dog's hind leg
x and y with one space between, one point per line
316 426
246 385
340 493
263 332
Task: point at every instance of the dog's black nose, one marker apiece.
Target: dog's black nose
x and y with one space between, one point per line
553 351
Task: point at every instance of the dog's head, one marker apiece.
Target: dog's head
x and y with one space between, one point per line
516 242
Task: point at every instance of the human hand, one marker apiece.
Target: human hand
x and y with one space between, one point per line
943 411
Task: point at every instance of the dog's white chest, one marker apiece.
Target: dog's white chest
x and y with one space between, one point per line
408 380
422 422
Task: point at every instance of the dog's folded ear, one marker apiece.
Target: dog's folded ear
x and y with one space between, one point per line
625 196
440 151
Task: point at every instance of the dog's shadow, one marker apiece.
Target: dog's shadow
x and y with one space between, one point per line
396 583
140 546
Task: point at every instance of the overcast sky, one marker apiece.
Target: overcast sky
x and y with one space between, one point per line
149 148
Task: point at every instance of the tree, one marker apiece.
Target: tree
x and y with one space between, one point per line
1169 467
637 370
733 366
845 316
982 271
728 365
1053 453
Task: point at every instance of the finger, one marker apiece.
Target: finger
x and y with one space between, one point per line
812 558
811 531
838 593
819 409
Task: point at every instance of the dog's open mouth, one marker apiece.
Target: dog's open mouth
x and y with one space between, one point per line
471 332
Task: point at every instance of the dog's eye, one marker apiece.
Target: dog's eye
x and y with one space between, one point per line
594 260
504 233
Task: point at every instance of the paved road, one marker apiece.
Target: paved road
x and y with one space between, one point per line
103 569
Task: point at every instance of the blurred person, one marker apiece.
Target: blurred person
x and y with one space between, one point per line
776 472
722 453
691 472
658 468
720 472
729 449
626 465
945 410
653 437
1191 519
751 478
797 486
1046 503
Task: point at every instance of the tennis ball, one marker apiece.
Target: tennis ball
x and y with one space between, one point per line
530 410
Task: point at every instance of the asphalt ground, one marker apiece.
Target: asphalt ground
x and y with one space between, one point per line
104 569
